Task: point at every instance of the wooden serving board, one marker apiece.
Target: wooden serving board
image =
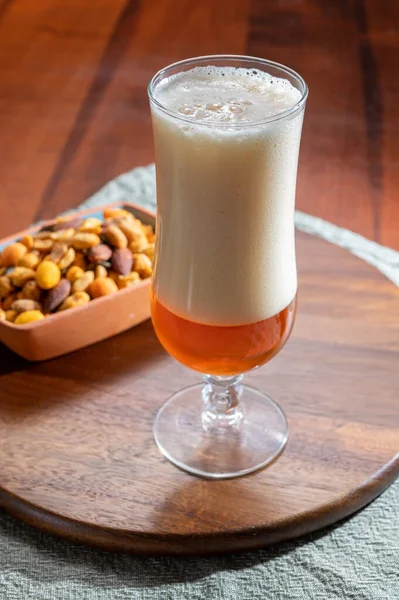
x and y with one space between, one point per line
77 456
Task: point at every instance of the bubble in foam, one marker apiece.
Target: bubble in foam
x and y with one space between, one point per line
187 110
235 109
214 105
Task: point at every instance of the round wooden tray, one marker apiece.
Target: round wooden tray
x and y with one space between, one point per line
77 456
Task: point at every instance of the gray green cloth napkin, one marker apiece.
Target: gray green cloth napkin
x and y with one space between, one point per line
355 560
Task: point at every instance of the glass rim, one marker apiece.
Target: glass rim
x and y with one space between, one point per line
228 57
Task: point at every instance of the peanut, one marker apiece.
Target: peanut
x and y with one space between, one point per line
67 259
64 235
5 286
47 275
143 265
81 284
103 286
9 300
149 251
31 291
74 273
139 243
148 232
43 235
128 280
20 275
28 317
43 245
58 250
21 306
91 225
114 213
30 261
11 315
79 261
100 271
12 253
83 241
77 299
130 228
115 236
27 241
2 315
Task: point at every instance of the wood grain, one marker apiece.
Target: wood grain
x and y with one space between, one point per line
77 456
74 111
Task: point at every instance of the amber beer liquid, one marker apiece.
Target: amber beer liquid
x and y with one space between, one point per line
222 350
224 289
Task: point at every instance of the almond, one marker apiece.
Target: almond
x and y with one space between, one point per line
122 261
67 223
57 295
100 253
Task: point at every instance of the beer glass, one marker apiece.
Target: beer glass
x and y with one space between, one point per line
227 133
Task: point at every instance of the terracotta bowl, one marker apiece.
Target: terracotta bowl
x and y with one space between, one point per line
75 328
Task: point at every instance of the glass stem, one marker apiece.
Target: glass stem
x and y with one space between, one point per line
222 409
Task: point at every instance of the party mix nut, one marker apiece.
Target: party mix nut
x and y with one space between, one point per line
73 262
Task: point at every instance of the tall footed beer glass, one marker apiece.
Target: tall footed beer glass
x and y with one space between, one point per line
227 132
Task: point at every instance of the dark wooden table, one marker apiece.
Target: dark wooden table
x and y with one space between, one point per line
74 111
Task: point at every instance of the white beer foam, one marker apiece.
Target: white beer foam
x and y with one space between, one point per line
226 196
228 95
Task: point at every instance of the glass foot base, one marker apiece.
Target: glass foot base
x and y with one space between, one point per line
220 444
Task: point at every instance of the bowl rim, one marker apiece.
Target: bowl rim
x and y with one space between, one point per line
83 307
